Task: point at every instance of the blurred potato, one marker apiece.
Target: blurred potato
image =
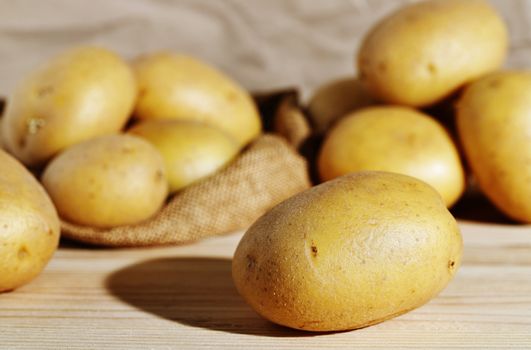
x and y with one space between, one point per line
424 51
394 139
191 151
179 87
334 100
80 94
29 226
107 181
494 125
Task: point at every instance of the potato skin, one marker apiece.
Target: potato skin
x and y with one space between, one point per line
336 99
108 181
29 226
78 95
191 151
174 86
425 51
493 120
395 139
348 253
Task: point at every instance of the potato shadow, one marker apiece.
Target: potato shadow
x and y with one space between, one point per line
197 292
475 207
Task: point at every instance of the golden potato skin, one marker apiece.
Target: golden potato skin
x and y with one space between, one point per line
109 181
395 139
493 120
425 51
348 253
191 151
174 86
29 226
336 99
78 95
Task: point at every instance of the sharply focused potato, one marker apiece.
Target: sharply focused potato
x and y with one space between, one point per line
494 124
108 181
79 94
334 100
191 151
348 253
29 226
425 51
174 86
396 139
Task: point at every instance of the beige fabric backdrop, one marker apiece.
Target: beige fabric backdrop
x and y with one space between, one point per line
263 44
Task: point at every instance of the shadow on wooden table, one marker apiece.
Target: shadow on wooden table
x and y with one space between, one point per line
193 291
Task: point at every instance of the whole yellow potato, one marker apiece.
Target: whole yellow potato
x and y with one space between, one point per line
78 95
191 151
395 139
349 253
29 226
425 51
334 100
174 86
108 181
494 125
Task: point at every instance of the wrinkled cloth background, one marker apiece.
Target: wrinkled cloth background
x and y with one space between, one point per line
262 44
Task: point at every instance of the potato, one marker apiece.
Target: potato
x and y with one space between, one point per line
109 181
191 151
29 226
396 139
348 253
334 100
174 86
422 53
1 142
78 95
493 120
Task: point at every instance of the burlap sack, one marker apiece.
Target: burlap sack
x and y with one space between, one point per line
268 172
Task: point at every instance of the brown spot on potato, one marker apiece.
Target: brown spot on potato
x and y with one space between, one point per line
251 261
159 175
314 249
232 96
495 83
451 264
382 67
432 68
45 90
22 252
127 150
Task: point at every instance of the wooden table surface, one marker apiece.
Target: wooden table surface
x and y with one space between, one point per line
183 298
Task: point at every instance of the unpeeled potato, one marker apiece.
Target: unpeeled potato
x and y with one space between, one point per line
107 181
494 125
78 95
423 52
348 253
174 86
336 99
396 139
191 151
29 226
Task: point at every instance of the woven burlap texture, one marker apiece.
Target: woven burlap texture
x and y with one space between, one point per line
268 172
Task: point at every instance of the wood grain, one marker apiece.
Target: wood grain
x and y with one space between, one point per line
183 298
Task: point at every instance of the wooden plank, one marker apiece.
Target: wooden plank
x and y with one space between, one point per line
183 298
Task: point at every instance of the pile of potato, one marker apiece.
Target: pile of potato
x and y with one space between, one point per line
111 141
376 240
